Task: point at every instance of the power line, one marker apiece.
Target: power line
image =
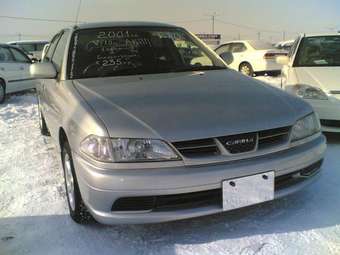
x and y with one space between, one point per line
248 27
213 18
36 19
187 21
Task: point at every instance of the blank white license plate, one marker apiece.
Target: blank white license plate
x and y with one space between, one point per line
248 190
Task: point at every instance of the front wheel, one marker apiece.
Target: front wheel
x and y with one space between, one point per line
77 208
2 92
246 69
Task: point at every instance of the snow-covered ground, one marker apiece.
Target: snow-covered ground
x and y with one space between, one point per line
34 217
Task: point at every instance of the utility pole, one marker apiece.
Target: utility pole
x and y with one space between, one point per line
259 36
77 14
284 35
19 37
213 17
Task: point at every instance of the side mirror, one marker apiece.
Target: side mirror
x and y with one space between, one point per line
45 70
34 60
282 60
227 57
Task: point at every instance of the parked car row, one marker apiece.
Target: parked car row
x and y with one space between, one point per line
15 60
251 57
14 71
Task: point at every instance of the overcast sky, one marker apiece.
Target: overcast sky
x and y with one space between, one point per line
269 17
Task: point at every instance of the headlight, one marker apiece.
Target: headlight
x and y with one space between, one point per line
307 92
305 127
127 150
99 148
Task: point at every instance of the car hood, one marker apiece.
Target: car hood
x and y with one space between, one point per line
186 106
326 78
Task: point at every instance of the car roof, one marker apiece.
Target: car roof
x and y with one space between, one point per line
121 24
28 41
320 34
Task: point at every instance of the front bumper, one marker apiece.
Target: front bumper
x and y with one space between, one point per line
100 188
329 113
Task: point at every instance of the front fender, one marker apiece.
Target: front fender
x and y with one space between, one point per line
77 118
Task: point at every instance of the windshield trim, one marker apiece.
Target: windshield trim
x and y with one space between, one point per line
151 73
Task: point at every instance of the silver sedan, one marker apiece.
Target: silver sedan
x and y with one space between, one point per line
152 126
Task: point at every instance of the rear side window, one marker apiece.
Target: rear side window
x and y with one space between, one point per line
238 47
58 55
5 55
19 57
27 47
40 46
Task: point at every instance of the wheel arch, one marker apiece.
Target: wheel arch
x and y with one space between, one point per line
4 81
62 137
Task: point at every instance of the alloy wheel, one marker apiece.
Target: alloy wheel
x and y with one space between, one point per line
69 181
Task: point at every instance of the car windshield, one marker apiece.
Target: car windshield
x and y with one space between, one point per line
137 50
319 51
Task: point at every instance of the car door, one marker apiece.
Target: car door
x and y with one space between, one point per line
224 52
51 87
237 49
23 63
10 70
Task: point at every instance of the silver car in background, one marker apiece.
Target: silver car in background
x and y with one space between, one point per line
33 48
153 127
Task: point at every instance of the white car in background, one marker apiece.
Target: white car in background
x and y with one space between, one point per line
251 57
14 71
32 48
312 71
285 45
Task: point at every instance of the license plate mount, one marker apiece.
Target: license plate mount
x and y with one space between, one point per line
249 190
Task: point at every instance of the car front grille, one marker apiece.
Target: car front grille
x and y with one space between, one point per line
198 148
233 144
268 138
169 202
330 123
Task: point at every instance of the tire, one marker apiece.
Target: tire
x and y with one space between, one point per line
246 69
77 208
2 92
42 123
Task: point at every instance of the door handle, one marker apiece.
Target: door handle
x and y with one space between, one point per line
2 68
22 68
